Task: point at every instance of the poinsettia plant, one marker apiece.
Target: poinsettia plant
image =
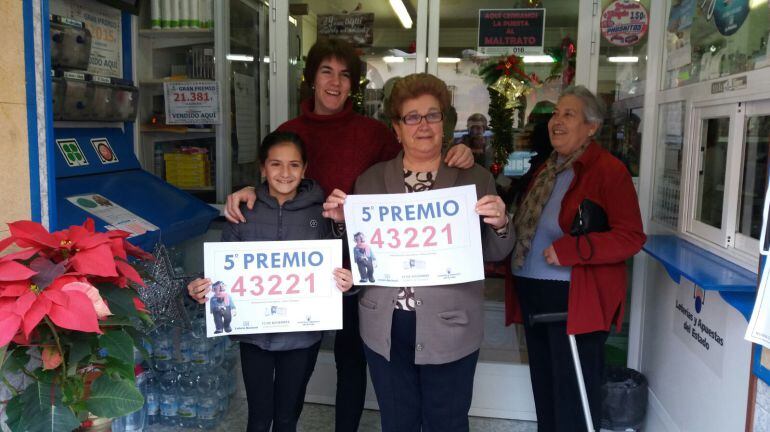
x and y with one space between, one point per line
70 318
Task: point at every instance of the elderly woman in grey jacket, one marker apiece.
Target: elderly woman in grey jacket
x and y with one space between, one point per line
422 343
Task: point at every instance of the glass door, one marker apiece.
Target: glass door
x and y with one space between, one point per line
247 103
464 40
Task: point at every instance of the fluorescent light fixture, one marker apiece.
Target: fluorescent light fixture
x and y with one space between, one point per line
293 21
402 13
393 59
240 57
447 60
538 59
266 59
629 59
753 4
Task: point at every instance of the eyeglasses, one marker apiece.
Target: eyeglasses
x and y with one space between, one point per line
415 119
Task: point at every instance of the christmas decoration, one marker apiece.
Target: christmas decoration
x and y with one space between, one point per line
507 83
163 296
563 61
495 168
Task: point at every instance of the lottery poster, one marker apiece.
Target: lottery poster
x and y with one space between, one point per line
415 239
272 287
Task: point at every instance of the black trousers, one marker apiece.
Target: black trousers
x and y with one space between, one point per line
275 385
414 398
551 368
351 369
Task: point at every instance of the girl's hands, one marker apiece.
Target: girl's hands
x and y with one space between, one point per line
344 279
492 209
333 206
198 289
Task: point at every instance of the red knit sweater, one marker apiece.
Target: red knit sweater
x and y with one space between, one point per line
340 147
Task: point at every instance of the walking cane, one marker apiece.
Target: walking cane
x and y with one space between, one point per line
559 317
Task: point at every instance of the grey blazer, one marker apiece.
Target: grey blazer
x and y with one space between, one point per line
450 318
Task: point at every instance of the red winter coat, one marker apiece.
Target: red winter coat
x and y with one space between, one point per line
597 290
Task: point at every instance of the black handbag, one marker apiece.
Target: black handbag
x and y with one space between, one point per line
590 217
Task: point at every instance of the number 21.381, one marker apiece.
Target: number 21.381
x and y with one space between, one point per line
274 285
412 237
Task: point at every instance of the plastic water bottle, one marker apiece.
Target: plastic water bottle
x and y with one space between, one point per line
152 399
163 350
208 405
169 402
133 422
201 345
188 400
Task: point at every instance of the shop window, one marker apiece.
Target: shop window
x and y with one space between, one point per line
729 172
710 39
668 164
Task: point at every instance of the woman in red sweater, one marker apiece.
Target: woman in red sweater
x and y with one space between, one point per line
341 144
555 271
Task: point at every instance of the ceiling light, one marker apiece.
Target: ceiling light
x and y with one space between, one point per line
538 59
448 60
631 59
403 14
393 59
240 57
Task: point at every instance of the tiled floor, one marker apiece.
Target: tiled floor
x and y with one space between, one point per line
320 418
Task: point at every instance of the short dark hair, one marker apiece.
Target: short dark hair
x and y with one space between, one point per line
358 235
339 49
279 137
413 86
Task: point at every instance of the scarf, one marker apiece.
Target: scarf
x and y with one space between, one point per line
528 214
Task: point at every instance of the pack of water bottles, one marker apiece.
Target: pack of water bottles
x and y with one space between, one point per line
188 383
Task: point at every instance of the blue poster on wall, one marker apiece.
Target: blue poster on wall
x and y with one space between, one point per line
730 15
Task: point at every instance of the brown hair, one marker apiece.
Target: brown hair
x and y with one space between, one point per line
416 85
325 49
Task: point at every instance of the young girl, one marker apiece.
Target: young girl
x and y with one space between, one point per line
277 366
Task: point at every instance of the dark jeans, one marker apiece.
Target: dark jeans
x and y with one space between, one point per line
428 398
554 383
275 385
222 319
351 369
366 269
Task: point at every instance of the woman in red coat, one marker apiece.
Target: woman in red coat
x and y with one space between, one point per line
585 276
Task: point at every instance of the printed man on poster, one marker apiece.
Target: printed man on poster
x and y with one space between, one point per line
419 239
272 287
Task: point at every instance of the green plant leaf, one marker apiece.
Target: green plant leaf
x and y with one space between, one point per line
80 348
113 398
118 344
120 300
15 360
39 409
119 368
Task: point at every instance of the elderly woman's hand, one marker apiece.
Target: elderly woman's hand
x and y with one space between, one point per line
333 206
344 279
492 209
459 156
234 200
198 289
550 256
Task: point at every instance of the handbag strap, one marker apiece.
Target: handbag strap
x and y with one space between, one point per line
590 247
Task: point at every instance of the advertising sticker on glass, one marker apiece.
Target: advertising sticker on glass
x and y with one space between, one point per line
511 31
353 28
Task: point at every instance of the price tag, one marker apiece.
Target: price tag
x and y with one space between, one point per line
415 239
271 287
192 102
